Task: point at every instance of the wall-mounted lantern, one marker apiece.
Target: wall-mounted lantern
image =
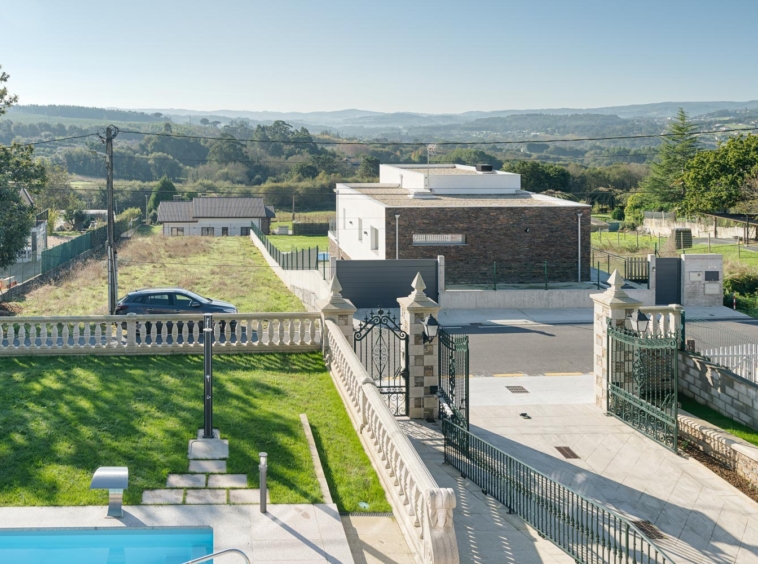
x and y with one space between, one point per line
431 327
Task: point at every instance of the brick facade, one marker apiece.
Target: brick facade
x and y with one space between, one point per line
519 239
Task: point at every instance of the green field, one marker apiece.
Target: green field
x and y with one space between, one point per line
225 268
288 243
63 417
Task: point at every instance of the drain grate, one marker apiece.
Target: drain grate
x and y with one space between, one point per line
567 452
517 389
651 531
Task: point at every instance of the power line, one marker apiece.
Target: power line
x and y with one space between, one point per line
50 140
422 143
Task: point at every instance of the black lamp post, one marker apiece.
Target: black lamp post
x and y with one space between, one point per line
208 376
431 327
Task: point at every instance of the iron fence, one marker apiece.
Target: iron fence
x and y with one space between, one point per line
732 345
499 275
585 530
311 258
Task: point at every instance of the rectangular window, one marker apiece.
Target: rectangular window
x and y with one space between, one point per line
207 231
439 239
360 230
224 231
374 239
245 231
177 231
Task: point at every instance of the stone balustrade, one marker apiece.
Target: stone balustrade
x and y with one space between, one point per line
159 334
424 510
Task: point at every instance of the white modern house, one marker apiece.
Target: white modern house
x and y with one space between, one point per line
214 217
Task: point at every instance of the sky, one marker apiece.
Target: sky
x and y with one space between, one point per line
381 55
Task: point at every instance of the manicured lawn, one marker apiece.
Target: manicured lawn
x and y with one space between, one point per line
63 417
225 268
715 418
287 243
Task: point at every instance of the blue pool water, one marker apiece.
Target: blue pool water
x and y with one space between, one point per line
105 546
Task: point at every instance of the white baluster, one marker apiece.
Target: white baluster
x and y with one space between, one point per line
238 332
257 327
11 335
153 334
174 334
98 335
54 336
280 331
217 333
22 336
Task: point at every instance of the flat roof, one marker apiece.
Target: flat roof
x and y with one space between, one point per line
393 196
448 170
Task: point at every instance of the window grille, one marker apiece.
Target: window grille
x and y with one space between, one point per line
439 239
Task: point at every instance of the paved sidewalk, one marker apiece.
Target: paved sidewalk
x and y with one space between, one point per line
703 518
486 533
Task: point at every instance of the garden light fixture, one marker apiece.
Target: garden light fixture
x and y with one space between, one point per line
638 322
431 326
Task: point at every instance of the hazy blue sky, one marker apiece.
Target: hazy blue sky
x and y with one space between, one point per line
385 55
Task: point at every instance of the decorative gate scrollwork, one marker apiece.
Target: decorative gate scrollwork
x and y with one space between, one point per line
382 347
454 375
643 382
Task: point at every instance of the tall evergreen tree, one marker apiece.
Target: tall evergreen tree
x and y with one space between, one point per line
664 185
164 190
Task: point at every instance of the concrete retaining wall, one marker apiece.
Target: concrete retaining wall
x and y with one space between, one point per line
719 388
308 285
733 452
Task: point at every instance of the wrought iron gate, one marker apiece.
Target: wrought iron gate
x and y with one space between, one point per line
382 347
643 383
453 384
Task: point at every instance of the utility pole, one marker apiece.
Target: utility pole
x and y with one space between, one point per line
110 132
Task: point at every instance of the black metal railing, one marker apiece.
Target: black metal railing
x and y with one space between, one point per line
311 258
582 528
634 269
454 377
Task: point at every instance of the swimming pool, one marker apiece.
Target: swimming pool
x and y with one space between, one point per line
105 546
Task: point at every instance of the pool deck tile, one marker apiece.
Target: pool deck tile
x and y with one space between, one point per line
205 497
162 497
227 481
247 497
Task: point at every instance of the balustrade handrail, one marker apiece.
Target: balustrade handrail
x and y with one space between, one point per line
425 509
555 489
157 317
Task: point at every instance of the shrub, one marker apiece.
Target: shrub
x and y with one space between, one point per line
618 214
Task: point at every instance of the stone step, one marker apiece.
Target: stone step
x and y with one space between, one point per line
162 497
249 497
206 497
208 466
208 449
185 481
227 481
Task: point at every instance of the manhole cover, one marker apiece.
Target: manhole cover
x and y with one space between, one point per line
517 389
567 452
650 530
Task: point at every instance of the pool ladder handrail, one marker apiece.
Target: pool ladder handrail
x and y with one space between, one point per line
219 553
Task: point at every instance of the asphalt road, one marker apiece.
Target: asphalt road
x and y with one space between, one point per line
529 349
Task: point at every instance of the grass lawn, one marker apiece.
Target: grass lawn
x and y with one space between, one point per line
63 417
226 268
287 243
624 243
715 418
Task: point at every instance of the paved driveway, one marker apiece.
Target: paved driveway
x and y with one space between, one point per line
703 518
529 349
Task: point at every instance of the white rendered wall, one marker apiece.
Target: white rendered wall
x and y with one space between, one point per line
497 182
193 228
352 206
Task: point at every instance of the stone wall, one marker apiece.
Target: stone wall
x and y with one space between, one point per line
719 388
731 451
520 239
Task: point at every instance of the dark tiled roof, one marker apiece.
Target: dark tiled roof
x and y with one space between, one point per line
229 207
174 211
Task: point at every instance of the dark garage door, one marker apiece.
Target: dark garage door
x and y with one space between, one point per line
668 281
379 283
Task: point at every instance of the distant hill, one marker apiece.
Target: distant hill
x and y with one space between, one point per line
83 112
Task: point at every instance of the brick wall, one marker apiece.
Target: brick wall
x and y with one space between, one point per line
719 388
497 234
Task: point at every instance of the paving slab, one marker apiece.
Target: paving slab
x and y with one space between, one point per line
376 539
617 466
185 481
227 481
247 497
162 497
205 497
208 449
208 466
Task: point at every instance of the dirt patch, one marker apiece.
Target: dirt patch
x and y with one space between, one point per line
8 309
718 468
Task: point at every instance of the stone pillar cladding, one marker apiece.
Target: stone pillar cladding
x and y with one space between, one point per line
612 304
339 310
423 361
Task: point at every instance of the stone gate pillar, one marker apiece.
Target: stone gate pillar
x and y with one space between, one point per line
612 304
423 364
338 309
